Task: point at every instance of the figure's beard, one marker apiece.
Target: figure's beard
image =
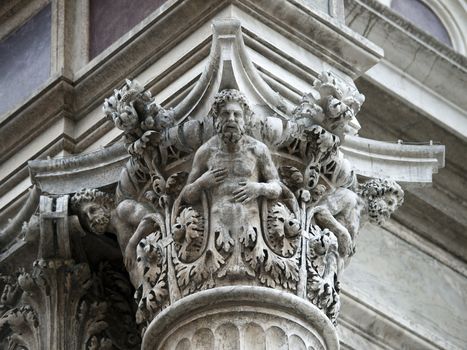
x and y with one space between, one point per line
100 224
230 133
378 211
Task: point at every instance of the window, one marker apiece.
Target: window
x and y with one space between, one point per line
25 59
423 17
110 19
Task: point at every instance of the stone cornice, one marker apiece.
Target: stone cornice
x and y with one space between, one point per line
96 169
21 126
434 213
14 13
397 20
413 52
380 329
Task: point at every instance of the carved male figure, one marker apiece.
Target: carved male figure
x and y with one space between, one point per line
130 220
233 169
344 212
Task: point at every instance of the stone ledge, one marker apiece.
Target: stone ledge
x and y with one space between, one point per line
417 54
361 320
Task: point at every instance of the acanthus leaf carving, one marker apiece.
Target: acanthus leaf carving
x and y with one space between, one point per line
152 293
242 194
74 300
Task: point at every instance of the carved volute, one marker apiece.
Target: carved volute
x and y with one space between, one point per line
237 194
236 214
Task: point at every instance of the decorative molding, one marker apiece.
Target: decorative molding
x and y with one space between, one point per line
174 223
384 332
233 194
262 305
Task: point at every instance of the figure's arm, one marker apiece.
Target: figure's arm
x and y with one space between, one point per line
129 214
270 188
346 206
324 219
201 177
148 224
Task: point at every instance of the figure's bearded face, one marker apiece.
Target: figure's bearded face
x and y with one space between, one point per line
96 217
230 123
381 208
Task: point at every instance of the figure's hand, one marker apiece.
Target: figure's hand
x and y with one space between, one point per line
212 176
150 137
247 192
130 256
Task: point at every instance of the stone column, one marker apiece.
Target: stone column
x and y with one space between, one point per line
241 317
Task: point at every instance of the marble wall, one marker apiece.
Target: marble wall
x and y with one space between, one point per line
409 286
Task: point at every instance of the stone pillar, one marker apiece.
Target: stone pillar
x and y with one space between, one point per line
241 317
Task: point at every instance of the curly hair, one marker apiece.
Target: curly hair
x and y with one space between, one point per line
376 188
86 195
380 207
230 95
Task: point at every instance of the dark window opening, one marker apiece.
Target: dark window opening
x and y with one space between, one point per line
423 17
110 19
25 60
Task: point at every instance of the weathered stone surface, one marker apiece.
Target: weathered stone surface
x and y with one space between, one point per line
242 196
233 195
241 317
408 280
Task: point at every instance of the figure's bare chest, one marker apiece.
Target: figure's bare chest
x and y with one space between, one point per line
238 164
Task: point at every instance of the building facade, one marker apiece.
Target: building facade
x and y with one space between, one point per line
67 287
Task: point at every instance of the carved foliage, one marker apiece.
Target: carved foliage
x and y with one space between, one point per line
188 233
322 283
199 253
272 270
236 221
283 229
80 308
18 323
152 293
106 312
134 110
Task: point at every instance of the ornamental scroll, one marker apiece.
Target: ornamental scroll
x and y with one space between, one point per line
237 198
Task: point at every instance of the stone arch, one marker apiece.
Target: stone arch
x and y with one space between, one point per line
447 14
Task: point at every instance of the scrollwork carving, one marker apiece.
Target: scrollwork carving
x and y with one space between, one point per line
235 216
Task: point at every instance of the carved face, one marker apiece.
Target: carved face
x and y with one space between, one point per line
339 116
230 122
95 216
381 208
308 113
321 243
